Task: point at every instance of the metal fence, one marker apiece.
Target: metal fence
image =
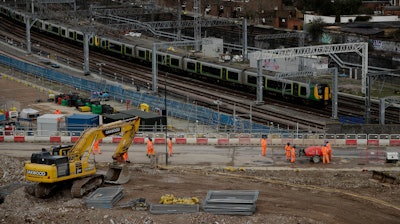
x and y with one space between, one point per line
193 113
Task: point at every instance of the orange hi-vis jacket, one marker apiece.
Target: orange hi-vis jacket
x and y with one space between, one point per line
264 142
324 150
170 145
150 148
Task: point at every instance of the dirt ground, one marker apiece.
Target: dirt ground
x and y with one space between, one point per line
340 193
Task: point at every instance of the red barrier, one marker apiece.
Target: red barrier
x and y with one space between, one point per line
116 139
201 141
74 139
244 140
138 140
55 139
394 142
180 140
159 141
373 142
223 141
19 138
351 141
1 138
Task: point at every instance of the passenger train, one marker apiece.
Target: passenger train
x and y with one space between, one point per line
223 73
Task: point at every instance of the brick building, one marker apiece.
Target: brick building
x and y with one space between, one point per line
260 12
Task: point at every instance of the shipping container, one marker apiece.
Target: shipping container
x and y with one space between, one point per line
80 122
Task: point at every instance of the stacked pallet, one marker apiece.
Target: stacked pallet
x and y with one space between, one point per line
231 202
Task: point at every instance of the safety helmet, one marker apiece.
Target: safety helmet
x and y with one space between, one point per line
324 144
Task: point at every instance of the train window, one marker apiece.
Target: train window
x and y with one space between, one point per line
46 27
252 80
79 37
71 35
191 66
211 71
274 84
233 76
141 53
175 62
160 59
303 91
63 32
114 47
54 29
128 50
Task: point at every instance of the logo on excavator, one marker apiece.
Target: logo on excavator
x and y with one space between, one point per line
111 131
36 173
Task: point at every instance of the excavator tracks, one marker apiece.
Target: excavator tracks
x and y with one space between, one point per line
85 185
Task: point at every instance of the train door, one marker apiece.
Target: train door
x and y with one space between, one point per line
148 55
224 74
295 89
198 67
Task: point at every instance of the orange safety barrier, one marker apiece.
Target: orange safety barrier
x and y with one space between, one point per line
138 140
159 141
351 141
394 142
74 139
202 140
223 141
19 138
116 139
55 139
180 140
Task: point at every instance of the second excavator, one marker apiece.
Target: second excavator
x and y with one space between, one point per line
74 165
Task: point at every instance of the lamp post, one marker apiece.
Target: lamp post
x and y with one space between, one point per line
166 119
218 103
101 64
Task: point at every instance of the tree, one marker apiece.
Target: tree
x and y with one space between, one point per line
330 7
315 28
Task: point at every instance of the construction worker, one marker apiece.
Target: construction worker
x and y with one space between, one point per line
325 156
293 154
264 145
96 147
170 147
288 151
150 152
126 157
329 149
58 112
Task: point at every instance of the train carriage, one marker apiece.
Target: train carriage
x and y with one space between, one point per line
209 69
52 28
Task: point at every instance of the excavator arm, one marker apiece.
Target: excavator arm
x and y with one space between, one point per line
82 149
128 133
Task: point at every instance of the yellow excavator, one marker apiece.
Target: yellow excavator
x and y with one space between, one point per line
74 166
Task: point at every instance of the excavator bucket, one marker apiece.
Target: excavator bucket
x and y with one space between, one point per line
117 174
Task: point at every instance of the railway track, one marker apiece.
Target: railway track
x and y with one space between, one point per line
280 113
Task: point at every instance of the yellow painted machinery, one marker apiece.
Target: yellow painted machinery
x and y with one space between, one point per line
74 165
